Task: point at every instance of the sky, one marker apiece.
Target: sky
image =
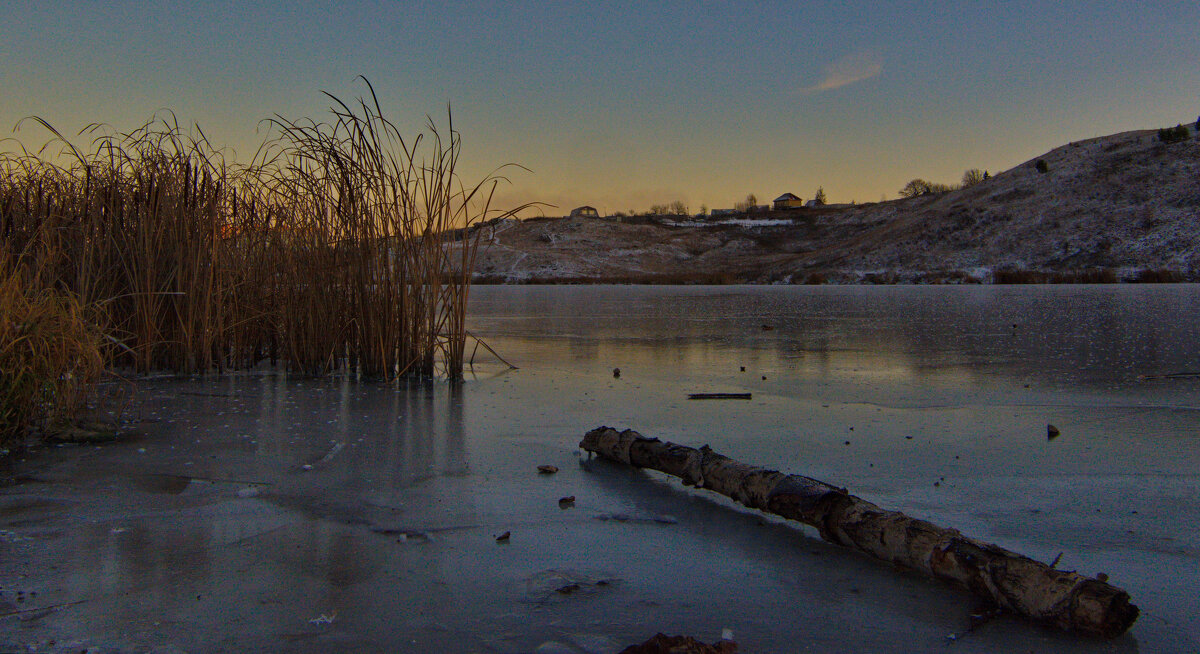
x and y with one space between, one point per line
623 105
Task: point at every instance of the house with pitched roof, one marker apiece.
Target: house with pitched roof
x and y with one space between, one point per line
787 201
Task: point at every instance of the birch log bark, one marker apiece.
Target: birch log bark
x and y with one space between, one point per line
1013 582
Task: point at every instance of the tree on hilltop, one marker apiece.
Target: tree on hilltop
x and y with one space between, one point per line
915 188
819 198
972 177
919 187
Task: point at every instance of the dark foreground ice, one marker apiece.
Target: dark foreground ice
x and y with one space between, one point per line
261 512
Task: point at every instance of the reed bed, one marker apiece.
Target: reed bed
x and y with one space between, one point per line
339 246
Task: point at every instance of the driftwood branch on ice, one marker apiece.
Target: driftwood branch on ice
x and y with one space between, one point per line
1014 582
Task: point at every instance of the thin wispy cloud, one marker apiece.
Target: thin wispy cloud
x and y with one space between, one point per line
850 69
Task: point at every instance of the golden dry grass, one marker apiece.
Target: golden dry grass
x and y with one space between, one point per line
51 353
329 249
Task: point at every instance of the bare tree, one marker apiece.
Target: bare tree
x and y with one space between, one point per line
748 204
915 188
972 177
919 187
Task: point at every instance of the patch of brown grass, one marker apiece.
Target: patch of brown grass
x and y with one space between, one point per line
51 353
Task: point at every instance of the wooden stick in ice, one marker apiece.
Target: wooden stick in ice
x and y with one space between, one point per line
1014 582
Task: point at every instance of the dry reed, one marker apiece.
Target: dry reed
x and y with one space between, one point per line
51 353
339 246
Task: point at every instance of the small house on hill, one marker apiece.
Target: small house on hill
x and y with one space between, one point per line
585 212
787 201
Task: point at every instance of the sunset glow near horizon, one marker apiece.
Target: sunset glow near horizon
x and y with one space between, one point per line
624 105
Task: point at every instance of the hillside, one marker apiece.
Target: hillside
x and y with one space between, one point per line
1118 207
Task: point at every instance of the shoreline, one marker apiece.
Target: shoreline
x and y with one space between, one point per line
872 278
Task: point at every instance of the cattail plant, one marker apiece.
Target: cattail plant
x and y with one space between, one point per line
340 245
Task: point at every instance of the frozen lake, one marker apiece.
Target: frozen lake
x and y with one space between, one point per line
262 512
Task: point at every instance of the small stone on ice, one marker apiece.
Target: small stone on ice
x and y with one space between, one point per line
306 466
547 469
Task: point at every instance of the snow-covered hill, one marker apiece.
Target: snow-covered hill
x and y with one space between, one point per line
1125 206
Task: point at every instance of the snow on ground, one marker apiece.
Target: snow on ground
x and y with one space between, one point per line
755 222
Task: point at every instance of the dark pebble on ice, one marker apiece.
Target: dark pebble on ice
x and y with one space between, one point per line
616 373
503 538
1051 432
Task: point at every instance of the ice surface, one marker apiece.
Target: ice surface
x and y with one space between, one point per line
218 538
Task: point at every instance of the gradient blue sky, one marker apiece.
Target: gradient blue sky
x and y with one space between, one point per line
620 105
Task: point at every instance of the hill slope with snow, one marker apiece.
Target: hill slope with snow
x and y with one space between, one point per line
1119 205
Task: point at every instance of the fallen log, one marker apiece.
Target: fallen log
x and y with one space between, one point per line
1013 582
